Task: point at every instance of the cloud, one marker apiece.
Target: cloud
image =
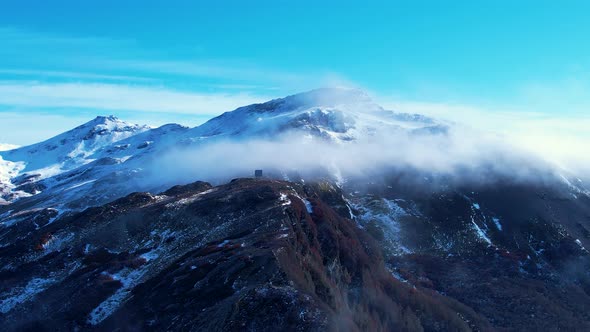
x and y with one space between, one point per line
17 40
34 111
72 75
102 96
124 59
463 156
560 138
6 147
229 71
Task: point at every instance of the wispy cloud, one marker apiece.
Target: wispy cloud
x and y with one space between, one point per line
101 96
99 59
229 70
41 74
6 147
562 138
16 40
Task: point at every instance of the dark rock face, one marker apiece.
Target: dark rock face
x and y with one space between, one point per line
266 255
249 255
513 252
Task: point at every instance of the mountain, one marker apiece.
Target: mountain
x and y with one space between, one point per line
252 255
30 170
332 114
73 148
108 158
99 233
265 254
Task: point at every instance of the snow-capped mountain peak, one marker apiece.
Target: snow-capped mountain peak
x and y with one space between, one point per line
74 147
88 157
345 99
333 114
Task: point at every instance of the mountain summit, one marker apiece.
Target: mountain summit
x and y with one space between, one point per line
73 148
331 114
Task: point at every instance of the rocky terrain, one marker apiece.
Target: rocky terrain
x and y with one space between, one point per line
265 254
94 236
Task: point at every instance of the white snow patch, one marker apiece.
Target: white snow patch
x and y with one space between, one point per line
129 279
284 199
476 206
124 159
308 206
386 213
80 184
399 277
222 243
482 235
21 295
191 199
348 207
150 256
56 242
497 223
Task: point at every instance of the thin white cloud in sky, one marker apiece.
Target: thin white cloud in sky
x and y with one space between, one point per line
120 97
229 70
84 57
73 75
6 147
47 93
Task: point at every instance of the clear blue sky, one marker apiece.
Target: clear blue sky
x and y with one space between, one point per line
62 62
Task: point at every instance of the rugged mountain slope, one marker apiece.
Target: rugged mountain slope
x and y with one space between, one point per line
514 252
75 147
30 170
267 255
252 255
403 247
103 172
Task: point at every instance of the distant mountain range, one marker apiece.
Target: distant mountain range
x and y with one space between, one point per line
366 219
78 162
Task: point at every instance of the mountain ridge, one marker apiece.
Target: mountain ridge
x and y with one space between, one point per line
122 232
349 115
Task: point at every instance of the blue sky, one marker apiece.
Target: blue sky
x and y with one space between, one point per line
154 62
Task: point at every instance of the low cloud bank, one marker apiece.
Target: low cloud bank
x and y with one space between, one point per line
561 138
461 156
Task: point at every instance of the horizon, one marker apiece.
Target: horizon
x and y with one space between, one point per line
518 70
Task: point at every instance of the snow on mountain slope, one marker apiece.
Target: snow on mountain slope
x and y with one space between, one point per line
23 167
426 227
107 158
145 142
334 114
72 148
104 172
108 147
8 170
